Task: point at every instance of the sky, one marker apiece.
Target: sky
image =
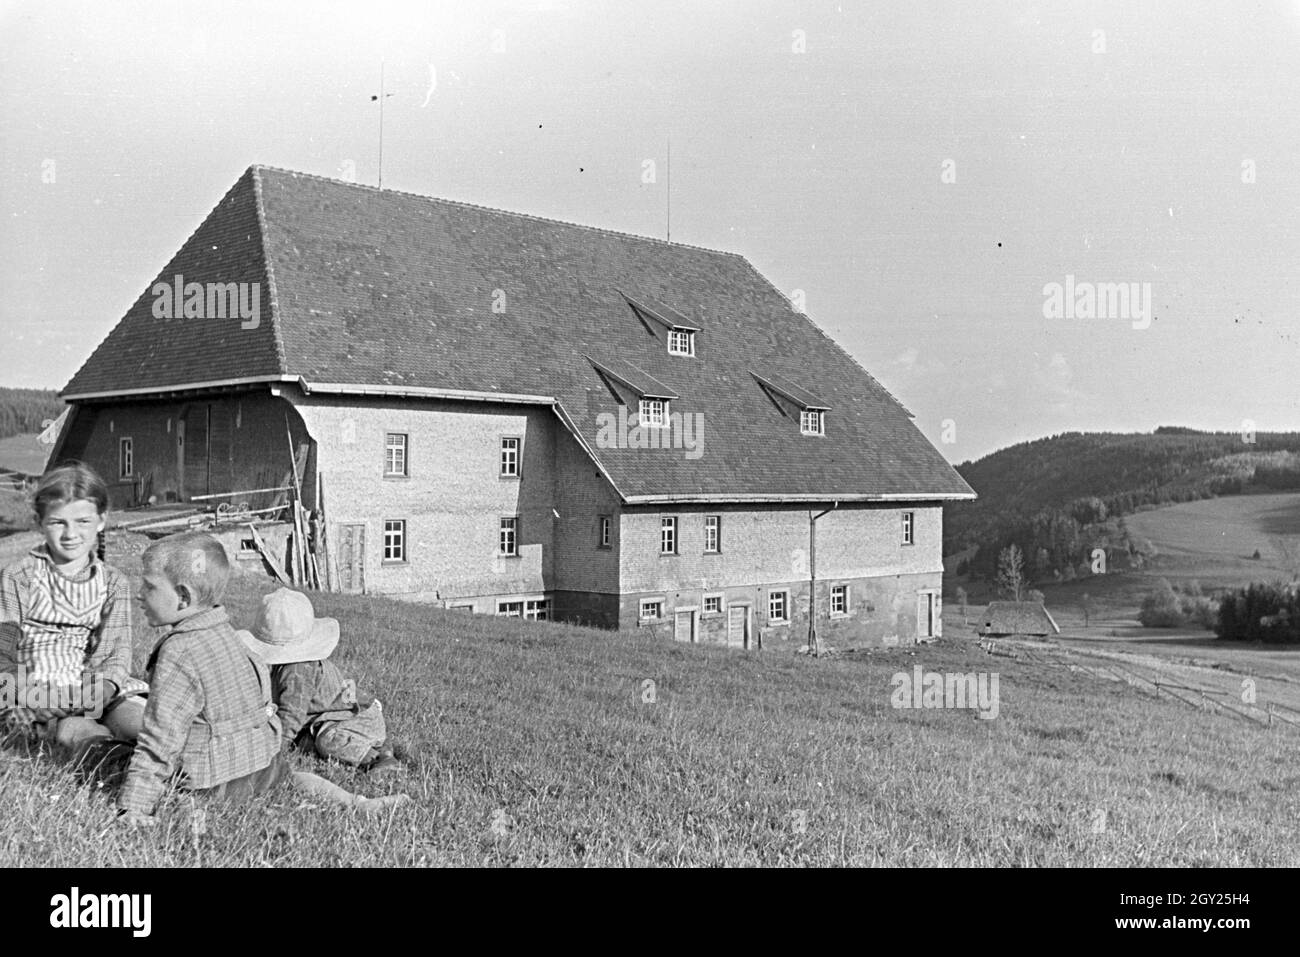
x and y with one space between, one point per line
930 182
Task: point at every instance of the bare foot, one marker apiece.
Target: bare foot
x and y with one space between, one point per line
375 805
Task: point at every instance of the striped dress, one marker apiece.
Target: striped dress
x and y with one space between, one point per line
63 631
62 614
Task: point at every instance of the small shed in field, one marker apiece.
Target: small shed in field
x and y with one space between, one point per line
1018 618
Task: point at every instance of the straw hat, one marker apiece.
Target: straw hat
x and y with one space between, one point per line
287 630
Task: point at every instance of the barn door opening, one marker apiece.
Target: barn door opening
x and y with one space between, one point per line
193 451
220 449
180 458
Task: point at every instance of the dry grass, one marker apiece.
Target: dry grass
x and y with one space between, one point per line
536 746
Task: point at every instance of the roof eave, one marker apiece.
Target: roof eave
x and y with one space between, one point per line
333 388
160 390
427 392
802 497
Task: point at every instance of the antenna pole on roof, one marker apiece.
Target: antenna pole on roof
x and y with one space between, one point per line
381 97
668 176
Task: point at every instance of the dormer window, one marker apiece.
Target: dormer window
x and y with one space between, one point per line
787 396
659 317
681 342
654 412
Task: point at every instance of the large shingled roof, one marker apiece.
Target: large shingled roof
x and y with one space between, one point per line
395 291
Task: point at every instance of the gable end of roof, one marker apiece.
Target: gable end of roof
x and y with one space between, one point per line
270 269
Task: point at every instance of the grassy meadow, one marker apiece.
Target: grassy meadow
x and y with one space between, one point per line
22 453
1214 540
542 744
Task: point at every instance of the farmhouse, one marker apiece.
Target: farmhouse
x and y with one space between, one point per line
469 393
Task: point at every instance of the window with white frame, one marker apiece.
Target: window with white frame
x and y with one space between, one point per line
653 413
681 342
712 604
908 523
668 536
508 541
395 453
394 540
534 609
778 607
839 599
125 458
712 533
604 531
652 608
812 422
510 457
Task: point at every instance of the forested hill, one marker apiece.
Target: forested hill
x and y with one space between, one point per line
24 411
1060 493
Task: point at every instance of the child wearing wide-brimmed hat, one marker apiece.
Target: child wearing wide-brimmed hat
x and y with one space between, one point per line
320 710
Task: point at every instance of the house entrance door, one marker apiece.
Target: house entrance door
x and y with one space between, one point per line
352 558
684 626
738 626
927 615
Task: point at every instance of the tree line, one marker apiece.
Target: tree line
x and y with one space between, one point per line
1267 612
24 411
1060 498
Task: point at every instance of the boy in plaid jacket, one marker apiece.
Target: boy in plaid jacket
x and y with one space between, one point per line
210 717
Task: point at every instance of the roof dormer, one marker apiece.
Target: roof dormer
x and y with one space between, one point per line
783 392
622 373
655 315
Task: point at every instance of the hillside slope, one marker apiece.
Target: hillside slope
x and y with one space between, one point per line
540 743
1215 541
20 456
1066 494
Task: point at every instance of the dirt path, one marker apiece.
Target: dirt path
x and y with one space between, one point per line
1267 694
